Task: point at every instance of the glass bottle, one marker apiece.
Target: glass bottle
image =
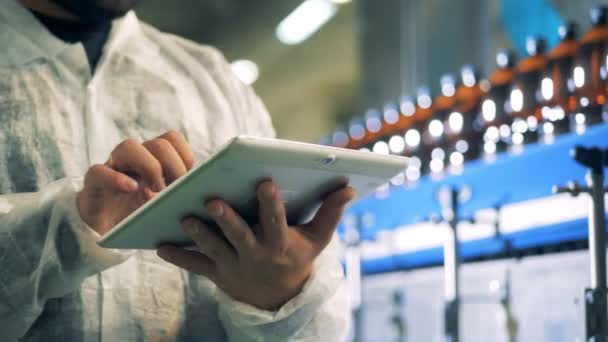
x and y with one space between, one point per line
373 131
434 131
391 132
413 136
589 73
356 134
525 98
493 116
558 102
462 130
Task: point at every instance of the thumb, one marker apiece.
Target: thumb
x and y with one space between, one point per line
323 225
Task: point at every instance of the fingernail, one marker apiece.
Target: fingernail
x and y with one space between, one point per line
215 209
278 196
271 192
191 226
132 185
159 186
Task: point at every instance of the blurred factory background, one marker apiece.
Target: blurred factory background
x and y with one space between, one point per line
487 98
309 88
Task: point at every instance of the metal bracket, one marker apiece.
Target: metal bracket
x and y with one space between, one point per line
450 316
449 201
595 303
573 188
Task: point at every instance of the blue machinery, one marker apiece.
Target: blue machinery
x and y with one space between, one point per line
506 180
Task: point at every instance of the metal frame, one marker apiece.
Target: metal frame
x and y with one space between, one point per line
448 199
596 308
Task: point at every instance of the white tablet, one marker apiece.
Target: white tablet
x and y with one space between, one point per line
304 174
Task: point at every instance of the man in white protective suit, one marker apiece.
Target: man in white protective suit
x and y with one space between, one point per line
98 113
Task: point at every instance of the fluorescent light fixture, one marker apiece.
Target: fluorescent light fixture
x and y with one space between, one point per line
245 70
305 20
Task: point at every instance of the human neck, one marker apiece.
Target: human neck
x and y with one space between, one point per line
50 9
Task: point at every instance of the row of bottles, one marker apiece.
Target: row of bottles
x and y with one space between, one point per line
545 94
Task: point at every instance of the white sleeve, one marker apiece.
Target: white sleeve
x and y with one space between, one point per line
46 251
321 312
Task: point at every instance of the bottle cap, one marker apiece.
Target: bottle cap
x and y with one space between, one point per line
568 30
505 58
448 85
469 75
599 15
536 46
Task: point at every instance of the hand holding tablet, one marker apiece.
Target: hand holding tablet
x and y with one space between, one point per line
272 258
304 174
258 212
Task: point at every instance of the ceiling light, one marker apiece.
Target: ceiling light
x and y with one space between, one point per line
305 20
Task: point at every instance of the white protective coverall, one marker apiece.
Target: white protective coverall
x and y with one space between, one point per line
57 119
